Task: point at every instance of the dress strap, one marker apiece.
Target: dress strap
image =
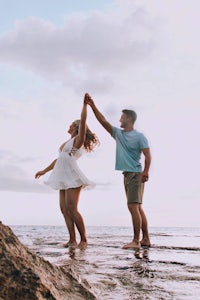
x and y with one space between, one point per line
73 151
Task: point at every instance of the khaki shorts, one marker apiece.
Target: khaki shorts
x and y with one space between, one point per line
134 188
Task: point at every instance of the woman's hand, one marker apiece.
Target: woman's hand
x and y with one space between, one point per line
39 173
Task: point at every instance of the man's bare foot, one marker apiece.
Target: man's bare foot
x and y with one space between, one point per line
145 243
82 245
71 245
132 245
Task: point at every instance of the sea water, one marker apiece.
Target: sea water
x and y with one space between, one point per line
170 269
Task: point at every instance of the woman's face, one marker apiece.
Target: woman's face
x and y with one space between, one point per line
72 128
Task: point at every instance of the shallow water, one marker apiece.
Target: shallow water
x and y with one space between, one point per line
170 269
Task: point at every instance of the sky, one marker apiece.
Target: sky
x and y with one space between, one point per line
140 54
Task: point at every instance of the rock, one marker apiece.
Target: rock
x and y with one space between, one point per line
26 276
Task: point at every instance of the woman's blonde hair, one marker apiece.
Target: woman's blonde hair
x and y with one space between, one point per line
91 140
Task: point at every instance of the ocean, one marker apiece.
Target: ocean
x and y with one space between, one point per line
170 269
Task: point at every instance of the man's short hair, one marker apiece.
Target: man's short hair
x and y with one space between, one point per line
131 114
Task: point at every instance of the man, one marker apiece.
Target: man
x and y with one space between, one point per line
129 146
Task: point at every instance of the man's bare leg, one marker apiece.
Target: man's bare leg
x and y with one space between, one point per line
137 223
73 198
145 233
68 220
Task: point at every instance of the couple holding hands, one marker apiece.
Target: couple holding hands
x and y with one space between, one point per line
67 177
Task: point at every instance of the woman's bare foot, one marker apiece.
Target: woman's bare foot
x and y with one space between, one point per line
132 245
145 243
71 245
82 245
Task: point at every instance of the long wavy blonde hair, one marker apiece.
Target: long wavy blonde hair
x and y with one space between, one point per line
91 140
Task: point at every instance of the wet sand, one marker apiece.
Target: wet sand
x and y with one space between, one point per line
170 269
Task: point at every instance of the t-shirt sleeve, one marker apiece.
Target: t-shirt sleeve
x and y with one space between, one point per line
143 142
114 132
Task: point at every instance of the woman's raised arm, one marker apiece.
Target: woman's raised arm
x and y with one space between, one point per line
80 138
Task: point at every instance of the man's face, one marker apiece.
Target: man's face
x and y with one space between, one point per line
124 120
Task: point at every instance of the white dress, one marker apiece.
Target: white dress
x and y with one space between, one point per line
66 173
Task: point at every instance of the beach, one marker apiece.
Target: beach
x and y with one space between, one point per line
170 269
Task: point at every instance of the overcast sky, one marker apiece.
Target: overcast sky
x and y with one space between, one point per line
143 55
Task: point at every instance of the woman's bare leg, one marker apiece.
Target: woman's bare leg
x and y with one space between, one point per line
72 196
68 220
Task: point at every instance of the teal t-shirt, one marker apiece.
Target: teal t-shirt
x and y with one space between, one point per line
129 145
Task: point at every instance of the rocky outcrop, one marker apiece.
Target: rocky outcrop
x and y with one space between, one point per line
26 276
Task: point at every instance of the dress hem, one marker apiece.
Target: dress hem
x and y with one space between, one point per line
84 186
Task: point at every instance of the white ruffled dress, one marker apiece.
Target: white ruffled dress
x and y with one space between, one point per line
66 172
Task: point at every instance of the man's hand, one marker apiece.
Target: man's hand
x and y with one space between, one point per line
144 177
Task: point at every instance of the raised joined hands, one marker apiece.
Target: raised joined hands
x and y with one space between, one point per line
88 100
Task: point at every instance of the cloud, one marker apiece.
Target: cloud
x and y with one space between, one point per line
13 176
86 51
22 185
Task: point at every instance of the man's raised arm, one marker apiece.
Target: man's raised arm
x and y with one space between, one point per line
102 120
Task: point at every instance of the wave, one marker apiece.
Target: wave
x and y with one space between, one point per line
196 249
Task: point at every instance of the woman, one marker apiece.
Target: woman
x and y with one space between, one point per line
69 179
